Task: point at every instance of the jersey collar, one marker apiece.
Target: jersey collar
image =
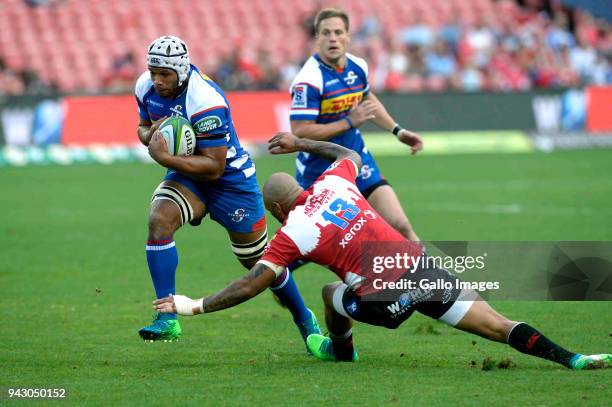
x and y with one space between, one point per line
329 67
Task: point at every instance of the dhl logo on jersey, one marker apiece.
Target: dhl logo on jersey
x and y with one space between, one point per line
341 103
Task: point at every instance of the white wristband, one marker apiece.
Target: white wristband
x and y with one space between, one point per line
186 306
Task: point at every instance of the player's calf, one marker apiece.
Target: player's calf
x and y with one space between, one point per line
337 321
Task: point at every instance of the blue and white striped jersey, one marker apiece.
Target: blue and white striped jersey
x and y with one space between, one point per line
324 94
204 104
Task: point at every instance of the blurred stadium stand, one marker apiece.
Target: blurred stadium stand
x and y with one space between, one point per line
411 45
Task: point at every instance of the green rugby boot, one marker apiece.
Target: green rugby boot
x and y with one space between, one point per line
309 327
321 347
589 362
163 328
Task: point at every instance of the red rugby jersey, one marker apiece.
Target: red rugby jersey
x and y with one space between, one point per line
333 225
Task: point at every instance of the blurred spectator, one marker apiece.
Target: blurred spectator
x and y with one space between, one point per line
451 31
481 41
369 28
32 82
123 72
417 32
558 35
10 82
440 61
268 76
469 79
582 59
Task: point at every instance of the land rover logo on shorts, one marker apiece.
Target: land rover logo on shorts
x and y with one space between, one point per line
207 124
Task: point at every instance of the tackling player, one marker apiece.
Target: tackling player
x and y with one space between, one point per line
331 99
315 223
218 179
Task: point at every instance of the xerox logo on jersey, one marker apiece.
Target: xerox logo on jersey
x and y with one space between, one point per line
316 201
300 96
353 231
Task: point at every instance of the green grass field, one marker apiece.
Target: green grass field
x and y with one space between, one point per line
75 290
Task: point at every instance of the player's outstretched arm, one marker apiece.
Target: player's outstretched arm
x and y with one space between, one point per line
384 120
285 143
207 165
258 279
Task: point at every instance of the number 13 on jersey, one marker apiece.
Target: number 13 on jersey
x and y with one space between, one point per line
341 213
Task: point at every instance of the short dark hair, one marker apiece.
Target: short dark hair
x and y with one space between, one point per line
330 13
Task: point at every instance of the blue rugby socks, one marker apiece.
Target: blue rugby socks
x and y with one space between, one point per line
287 292
162 259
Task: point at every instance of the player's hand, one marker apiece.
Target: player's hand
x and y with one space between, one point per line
178 304
283 143
165 305
155 126
412 139
363 112
158 148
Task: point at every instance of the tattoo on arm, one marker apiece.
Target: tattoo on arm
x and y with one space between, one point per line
258 279
327 150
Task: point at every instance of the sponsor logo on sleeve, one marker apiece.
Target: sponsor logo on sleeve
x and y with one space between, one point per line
300 99
207 124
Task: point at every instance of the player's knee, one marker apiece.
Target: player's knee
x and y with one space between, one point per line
402 225
249 263
328 293
161 224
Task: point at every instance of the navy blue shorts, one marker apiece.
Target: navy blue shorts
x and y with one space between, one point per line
238 207
390 308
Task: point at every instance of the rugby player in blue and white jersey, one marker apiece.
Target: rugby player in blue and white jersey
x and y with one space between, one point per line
331 99
218 179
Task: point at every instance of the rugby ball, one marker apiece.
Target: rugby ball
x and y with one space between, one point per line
179 135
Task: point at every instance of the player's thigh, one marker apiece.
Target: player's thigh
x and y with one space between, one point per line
242 214
173 204
385 201
481 319
385 308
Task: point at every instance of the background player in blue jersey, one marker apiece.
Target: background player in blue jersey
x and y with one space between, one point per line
330 100
218 179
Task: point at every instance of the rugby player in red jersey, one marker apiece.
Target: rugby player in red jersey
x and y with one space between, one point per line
333 225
